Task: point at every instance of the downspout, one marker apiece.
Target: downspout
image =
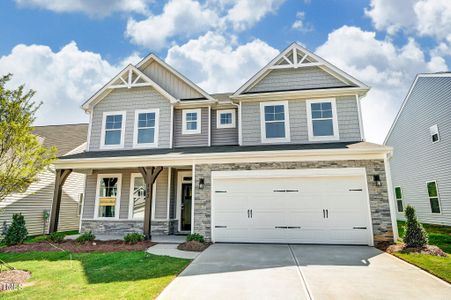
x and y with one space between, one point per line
209 125
391 196
171 132
240 139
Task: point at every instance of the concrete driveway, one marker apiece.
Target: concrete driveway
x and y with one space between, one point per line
255 271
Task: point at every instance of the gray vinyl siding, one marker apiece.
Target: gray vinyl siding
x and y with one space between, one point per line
161 197
347 116
190 140
416 159
223 136
170 82
39 197
130 100
292 79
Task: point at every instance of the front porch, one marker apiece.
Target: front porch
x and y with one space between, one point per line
114 203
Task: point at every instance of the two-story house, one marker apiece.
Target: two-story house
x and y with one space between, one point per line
282 159
421 137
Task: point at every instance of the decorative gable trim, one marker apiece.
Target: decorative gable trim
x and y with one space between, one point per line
152 57
294 57
129 77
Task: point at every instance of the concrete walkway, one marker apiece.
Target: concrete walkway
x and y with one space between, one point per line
247 271
172 251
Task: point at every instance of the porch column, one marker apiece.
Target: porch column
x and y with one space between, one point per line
149 174
60 179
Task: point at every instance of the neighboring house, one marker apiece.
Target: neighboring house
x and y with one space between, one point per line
421 138
38 197
280 160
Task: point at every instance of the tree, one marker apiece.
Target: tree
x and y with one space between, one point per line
22 155
17 232
415 235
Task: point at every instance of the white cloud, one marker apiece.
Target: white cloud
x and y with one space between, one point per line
216 64
63 80
179 17
90 7
300 24
388 69
423 17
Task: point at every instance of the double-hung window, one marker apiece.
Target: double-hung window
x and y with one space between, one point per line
275 125
108 196
434 200
322 120
225 118
398 196
146 128
113 130
191 121
137 197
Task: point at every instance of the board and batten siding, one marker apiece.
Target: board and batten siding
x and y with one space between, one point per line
416 159
190 140
223 136
130 100
161 196
170 82
296 79
39 196
347 116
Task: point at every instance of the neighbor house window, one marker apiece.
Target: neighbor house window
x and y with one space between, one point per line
108 193
433 197
398 196
274 122
146 128
113 130
137 197
225 118
322 120
191 121
435 137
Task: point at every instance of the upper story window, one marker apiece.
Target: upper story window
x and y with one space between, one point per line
113 129
433 197
108 193
225 118
322 120
191 121
275 125
435 136
398 196
146 128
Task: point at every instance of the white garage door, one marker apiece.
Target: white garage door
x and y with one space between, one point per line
291 206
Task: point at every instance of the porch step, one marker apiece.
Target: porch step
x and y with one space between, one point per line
168 239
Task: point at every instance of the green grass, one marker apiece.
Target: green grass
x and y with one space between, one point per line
439 236
39 238
113 275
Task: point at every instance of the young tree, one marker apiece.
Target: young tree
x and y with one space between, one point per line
17 232
22 155
415 235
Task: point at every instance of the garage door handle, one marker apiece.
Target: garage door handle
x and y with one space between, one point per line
358 227
294 227
220 226
281 227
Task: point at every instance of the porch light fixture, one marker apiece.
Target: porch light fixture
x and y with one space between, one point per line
201 184
377 180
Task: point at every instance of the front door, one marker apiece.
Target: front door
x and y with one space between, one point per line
187 189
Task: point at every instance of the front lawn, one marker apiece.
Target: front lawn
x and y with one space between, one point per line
439 236
113 275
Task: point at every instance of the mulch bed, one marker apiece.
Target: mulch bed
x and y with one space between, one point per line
72 246
12 279
193 246
429 249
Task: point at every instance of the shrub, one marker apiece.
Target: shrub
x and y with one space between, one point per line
133 238
415 235
195 237
87 236
56 237
17 232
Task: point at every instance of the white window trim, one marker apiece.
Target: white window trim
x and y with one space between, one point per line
434 128
313 138
157 128
118 198
102 135
287 137
218 118
396 199
438 197
130 200
199 121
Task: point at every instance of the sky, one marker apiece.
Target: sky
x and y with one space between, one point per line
67 50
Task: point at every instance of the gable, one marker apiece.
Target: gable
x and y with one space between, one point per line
296 68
